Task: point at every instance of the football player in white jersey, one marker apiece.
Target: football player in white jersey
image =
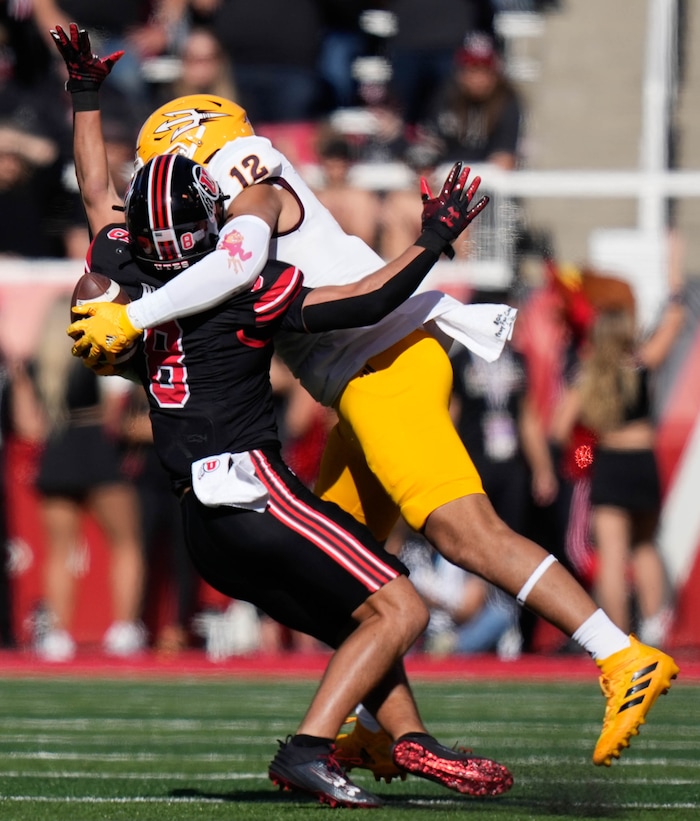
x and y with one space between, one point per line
395 449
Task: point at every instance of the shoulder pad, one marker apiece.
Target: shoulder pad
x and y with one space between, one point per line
243 162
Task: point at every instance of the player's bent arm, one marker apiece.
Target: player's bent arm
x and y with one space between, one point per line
260 200
371 298
241 253
239 257
233 266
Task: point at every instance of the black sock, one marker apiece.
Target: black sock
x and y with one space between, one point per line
302 740
304 748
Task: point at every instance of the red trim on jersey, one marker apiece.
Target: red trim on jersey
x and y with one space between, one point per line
326 534
249 341
88 257
276 299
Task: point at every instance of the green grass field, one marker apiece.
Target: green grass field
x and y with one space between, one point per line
146 750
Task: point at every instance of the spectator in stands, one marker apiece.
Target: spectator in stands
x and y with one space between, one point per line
552 323
357 209
612 397
274 47
467 615
140 28
205 68
495 418
386 138
23 228
476 115
401 214
422 50
166 557
7 635
343 41
34 101
79 471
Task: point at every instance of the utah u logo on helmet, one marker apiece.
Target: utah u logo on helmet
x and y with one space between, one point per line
208 189
195 126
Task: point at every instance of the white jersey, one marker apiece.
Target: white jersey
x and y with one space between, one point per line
326 255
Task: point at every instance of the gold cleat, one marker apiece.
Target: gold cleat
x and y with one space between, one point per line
631 680
366 749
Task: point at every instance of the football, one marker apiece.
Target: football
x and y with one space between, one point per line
92 287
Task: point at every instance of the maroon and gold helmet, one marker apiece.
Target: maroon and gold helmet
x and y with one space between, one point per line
195 126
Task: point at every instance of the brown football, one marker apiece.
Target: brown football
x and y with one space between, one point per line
92 287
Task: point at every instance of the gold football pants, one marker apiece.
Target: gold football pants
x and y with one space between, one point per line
395 448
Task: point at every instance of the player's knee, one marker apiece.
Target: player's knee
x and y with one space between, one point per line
403 606
465 531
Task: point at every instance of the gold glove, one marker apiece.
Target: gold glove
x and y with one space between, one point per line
107 331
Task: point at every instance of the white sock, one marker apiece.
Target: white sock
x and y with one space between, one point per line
600 637
366 719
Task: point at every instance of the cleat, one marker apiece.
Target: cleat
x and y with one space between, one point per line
316 772
369 750
457 770
631 680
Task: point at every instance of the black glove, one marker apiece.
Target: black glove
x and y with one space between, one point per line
447 215
86 71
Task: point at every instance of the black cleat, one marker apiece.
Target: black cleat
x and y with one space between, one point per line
315 771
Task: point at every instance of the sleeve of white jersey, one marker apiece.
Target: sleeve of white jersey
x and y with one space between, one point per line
240 255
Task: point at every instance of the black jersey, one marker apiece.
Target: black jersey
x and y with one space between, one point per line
195 411
305 562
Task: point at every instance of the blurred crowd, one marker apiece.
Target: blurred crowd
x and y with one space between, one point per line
561 428
371 83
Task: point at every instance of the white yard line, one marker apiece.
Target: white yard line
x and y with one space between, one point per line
228 776
414 802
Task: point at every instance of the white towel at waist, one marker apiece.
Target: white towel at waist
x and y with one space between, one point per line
229 479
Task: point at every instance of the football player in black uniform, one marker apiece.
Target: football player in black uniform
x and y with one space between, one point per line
394 431
462 772
254 531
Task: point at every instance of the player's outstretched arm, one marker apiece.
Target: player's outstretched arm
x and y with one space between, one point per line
371 298
86 73
109 330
